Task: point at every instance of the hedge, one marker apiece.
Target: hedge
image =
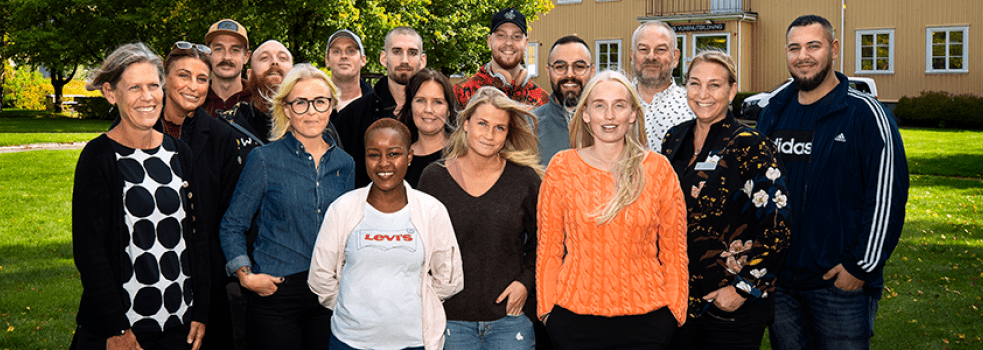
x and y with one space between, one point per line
941 109
92 107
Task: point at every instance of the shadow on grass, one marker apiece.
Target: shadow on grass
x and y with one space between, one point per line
951 164
41 290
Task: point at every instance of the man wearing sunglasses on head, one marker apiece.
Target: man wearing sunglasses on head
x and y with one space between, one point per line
569 68
229 46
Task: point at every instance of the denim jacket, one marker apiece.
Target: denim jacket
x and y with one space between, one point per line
281 186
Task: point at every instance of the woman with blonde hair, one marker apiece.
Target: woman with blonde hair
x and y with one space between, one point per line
611 271
287 185
489 181
736 208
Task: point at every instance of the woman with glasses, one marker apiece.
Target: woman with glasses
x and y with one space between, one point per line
737 212
386 255
611 268
139 242
430 114
489 180
287 186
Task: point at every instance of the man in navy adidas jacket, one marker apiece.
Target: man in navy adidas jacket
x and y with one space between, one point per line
848 184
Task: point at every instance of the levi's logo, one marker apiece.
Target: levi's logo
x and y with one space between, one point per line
380 237
793 145
386 240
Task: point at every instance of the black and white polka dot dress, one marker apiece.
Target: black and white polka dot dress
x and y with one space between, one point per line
155 269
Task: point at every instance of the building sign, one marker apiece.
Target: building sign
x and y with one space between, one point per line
698 27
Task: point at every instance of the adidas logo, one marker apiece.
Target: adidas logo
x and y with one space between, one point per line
840 138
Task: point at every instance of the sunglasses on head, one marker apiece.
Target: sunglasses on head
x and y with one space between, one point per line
184 45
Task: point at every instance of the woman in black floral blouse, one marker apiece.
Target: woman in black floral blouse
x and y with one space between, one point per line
737 214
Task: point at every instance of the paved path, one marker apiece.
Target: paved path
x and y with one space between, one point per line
42 146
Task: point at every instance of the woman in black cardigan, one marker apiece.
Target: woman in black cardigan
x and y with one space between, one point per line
141 254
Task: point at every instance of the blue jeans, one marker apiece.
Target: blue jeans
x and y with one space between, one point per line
507 333
825 318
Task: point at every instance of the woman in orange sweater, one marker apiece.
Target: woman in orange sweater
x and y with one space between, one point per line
612 267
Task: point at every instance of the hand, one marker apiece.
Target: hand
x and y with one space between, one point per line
516 294
259 283
726 299
126 341
844 280
194 336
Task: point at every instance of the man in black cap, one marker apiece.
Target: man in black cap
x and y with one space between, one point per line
507 41
345 56
230 51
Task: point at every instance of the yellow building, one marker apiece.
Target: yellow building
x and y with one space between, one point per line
906 46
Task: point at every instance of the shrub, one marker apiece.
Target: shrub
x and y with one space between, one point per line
26 88
92 107
941 109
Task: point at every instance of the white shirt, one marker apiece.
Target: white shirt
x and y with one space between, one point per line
666 110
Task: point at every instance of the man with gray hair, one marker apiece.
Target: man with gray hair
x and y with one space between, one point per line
653 56
403 56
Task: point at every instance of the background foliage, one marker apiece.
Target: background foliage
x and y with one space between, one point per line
941 109
64 34
25 88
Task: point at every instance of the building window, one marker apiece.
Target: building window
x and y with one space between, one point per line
565 2
875 51
680 70
608 54
532 59
719 41
946 50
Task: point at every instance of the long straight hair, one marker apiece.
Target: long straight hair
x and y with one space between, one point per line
629 172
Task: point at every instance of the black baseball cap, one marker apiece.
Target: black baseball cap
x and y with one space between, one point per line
509 15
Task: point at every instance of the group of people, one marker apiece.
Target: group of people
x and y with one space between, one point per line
298 210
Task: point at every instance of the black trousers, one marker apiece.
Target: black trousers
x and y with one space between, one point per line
651 331
173 338
715 329
291 318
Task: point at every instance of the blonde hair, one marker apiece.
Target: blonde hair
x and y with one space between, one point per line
715 56
521 144
300 72
629 171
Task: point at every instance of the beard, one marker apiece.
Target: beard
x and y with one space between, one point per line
662 77
400 75
567 98
263 87
809 84
506 63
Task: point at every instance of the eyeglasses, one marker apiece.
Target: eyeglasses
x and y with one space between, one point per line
184 45
579 67
302 105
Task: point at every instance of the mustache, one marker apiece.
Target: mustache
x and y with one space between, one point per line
654 62
226 63
571 80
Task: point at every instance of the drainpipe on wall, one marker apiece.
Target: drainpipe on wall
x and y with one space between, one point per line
842 43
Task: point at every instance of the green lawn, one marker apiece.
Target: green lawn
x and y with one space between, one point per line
934 279
27 138
26 121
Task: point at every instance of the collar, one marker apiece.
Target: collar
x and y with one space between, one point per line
213 96
658 96
498 77
294 145
838 94
563 109
382 93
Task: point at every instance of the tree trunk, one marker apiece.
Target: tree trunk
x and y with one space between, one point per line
58 81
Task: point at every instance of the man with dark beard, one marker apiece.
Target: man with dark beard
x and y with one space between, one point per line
507 41
403 56
847 184
569 68
230 50
269 64
653 56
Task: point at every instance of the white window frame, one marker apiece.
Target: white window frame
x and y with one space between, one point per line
597 53
532 61
928 49
682 55
858 55
696 38
567 2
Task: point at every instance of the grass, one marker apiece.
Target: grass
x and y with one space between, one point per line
934 279
27 121
27 138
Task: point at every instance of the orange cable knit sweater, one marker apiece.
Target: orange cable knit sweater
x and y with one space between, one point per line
634 264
